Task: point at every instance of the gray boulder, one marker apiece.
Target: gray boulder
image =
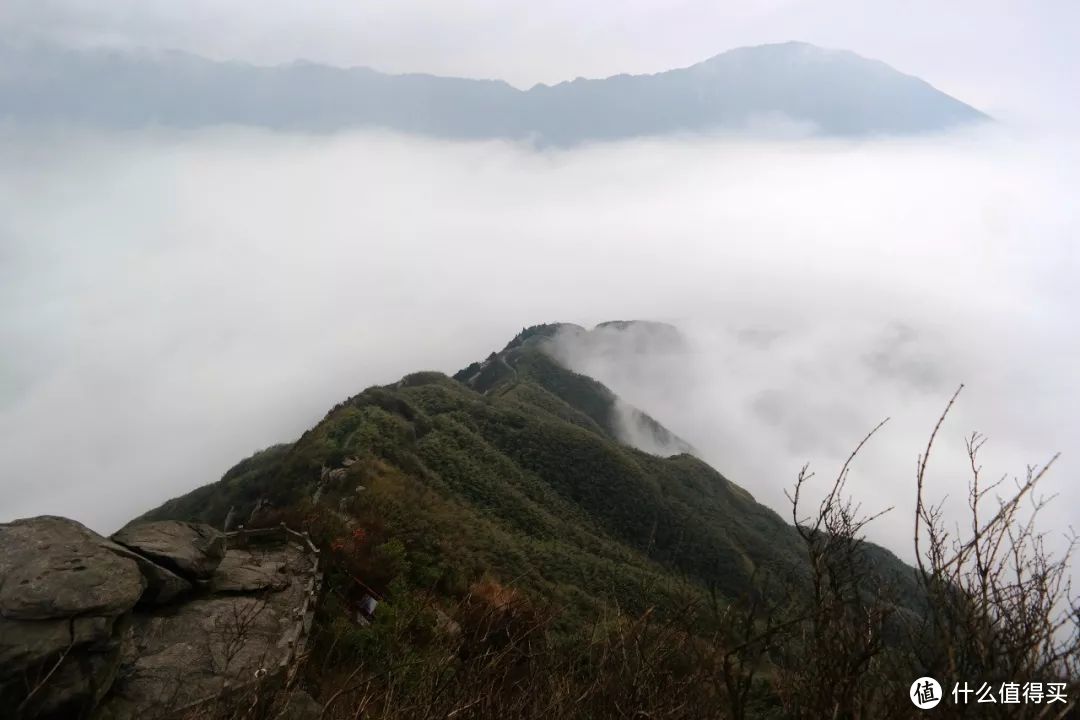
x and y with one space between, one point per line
52 567
81 635
24 643
58 668
162 586
244 572
78 684
191 550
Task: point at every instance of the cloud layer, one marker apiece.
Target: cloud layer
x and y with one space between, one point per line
173 301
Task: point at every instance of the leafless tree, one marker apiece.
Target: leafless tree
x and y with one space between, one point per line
999 605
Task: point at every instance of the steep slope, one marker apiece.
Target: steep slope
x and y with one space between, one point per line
831 92
515 471
530 357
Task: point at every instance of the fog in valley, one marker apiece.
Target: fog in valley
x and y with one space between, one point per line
172 301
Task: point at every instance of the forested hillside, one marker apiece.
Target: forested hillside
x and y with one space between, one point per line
516 472
530 564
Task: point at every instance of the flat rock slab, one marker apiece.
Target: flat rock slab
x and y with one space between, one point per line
190 550
53 567
247 572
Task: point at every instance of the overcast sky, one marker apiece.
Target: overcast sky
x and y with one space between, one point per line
1011 58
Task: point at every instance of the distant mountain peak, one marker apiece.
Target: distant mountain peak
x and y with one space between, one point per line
828 92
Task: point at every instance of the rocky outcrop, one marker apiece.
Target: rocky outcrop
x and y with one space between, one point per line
53 567
190 550
242 571
245 623
26 643
65 594
83 633
79 683
162 586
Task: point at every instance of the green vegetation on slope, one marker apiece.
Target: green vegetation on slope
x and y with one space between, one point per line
534 566
515 473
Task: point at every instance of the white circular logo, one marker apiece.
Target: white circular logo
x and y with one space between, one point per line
925 693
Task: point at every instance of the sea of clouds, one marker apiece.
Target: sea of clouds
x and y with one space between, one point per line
172 301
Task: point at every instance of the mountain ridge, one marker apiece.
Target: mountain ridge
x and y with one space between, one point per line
790 86
488 539
511 471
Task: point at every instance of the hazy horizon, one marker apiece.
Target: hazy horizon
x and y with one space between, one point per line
1012 61
148 52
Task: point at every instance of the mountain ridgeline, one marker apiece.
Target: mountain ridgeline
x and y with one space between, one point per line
513 470
769 87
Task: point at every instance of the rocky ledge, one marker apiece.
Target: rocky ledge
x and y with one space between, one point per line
160 617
